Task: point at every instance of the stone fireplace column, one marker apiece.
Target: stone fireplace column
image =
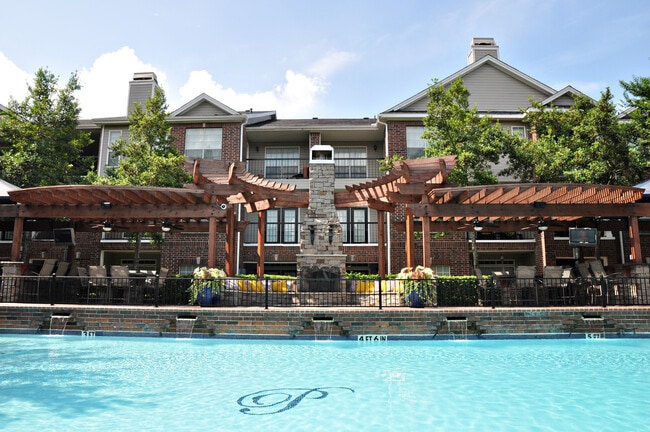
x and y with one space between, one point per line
321 243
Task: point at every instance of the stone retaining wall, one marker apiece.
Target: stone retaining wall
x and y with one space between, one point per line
287 323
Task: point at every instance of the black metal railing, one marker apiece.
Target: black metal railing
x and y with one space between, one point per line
345 168
374 293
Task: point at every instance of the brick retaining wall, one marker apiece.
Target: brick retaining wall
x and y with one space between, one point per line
287 323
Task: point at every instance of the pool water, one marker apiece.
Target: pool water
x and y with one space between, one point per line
72 383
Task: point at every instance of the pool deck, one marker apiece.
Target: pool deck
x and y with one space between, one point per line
340 323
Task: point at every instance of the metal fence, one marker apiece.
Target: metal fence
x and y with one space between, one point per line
387 293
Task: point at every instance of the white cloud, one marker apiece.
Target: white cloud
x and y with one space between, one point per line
332 63
105 89
14 81
104 85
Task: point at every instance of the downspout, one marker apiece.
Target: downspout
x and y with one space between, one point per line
388 236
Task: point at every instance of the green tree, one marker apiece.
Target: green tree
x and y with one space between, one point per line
452 127
45 146
147 157
637 100
585 143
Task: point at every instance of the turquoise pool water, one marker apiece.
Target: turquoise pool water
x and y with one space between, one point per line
73 383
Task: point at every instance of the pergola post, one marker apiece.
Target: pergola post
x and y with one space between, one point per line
231 234
426 241
212 242
17 240
381 241
635 239
410 239
261 236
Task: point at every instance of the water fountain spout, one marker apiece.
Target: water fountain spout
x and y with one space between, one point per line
323 328
59 320
185 325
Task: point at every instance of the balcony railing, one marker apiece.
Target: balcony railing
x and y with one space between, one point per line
371 235
282 169
378 293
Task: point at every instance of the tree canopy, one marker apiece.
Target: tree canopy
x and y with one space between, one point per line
452 127
637 100
46 147
147 157
585 143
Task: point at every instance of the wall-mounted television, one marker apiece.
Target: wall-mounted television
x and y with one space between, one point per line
64 236
582 237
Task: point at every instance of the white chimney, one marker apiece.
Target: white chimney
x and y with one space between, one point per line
482 47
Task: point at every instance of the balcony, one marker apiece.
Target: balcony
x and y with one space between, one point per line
287 169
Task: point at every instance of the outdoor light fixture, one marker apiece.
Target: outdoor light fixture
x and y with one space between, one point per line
312 233
106 205
330 235
478 226
541 225
166 226
108 227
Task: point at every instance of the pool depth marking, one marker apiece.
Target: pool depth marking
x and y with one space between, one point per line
372 338
275 401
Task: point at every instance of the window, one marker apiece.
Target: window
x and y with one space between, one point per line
350 162
441 270
282 162
415 144
113 160
203 143
354 223
282 226
518 131
6 235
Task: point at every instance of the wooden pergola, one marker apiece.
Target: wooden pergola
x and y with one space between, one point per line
416 186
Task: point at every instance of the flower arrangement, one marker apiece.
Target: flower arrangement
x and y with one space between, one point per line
204 279
419 286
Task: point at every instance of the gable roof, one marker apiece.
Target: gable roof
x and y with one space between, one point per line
487 61
203 106
567 91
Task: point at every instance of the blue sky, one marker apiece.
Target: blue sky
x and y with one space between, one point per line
303 59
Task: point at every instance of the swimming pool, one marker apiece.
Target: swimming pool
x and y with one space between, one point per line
73 383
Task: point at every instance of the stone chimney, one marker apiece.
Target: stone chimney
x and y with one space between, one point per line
141 88
482 47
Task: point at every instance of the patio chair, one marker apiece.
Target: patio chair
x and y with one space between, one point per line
58 295
98 283
527 286
554 286
39 281
611 280
640 284
120 283
588 284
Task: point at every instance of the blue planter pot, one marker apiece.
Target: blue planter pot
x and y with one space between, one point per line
414 300
207 298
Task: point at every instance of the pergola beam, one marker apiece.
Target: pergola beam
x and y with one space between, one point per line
530 210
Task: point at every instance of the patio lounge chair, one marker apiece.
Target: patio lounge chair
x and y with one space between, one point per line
35 287
121 284
527 287
98 283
